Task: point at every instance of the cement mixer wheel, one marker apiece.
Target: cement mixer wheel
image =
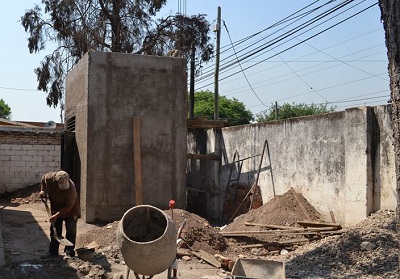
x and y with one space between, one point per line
118 276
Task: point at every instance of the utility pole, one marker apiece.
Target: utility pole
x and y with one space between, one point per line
192 65
216 93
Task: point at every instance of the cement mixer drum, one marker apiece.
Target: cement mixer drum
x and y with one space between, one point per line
147 239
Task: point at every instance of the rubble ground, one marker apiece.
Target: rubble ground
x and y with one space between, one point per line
367 250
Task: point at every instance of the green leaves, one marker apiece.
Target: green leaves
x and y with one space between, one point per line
5 110
288 111
77 26
231 109
33 24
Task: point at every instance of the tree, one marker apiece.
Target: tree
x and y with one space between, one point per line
231 109
287 111
390 11
77 26
5 110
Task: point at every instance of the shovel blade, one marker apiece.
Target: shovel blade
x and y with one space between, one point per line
63 241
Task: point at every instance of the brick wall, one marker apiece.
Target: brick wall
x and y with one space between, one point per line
26 154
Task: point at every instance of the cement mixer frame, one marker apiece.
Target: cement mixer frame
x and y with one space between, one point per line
137 276
147 238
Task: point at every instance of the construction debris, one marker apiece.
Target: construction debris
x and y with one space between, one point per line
313 249
211 259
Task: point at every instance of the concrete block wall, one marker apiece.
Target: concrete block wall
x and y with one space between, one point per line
25 155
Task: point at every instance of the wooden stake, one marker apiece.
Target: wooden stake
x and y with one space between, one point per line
332 216
300 204
137 160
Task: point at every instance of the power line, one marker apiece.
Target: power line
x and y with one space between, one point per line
258 50
18 89
383 99
244 74
314 66
326 88
286 19
230 46
224 69
356 98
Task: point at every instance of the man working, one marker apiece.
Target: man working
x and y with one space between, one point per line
64 204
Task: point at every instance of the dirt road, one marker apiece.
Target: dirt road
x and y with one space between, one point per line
26 234
367 250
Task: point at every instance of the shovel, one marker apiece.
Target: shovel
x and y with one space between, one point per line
60 239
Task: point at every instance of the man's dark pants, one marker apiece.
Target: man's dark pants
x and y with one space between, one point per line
70 227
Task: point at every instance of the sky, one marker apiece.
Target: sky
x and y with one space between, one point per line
343 66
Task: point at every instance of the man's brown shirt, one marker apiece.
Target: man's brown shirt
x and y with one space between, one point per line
64 201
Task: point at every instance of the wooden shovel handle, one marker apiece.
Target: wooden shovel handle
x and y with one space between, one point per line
44 200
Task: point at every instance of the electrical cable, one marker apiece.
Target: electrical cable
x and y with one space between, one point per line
223 68
19 89
301 42
322 62
289 78
244 74
285 35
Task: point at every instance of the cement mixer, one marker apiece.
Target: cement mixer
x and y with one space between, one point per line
147 239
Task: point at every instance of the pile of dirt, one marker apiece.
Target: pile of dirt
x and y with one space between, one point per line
367 250
282 210
198 234
103 236
27 195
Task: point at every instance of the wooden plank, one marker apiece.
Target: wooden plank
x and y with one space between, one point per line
285 232
277 243
206 124
137 160
316 224
196 190
210 156
277 227
300 204
334 232
242 234
207 257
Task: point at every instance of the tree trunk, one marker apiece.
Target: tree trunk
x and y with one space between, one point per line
390 11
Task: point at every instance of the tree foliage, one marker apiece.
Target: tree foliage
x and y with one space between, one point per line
287 111
5 110
231 109
128 26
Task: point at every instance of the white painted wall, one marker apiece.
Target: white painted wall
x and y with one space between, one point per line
341 162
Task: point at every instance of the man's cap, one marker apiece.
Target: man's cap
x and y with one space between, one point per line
61 175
